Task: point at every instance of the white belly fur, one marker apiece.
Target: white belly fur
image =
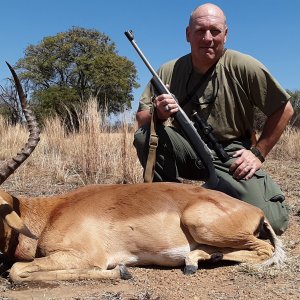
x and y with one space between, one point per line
169 257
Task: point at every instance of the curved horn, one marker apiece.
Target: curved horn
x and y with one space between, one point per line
34 132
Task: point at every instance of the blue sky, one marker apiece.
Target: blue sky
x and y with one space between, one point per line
265 29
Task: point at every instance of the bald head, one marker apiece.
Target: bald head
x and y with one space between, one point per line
208 10
206 33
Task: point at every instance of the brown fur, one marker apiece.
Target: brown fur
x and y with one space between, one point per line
91 231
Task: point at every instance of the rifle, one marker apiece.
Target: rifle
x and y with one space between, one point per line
206 130
213 182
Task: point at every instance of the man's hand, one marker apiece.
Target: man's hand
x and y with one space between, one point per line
245 165
165 106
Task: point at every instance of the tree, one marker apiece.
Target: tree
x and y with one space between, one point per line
295 100
73 66
54 100
10 106
260 118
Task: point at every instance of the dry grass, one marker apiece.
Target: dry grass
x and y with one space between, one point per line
288 146
95 153
12 138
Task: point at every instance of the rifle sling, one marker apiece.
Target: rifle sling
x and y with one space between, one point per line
153 143
198 85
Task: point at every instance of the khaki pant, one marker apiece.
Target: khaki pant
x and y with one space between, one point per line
176 159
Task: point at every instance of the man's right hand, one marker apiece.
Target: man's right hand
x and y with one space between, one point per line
166 105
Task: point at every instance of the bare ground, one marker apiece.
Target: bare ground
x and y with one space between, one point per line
217 281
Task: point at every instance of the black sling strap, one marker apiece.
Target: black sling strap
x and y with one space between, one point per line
198 85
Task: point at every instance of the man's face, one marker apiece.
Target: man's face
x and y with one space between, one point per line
207 36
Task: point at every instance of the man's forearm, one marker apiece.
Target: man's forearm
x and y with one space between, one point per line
273 128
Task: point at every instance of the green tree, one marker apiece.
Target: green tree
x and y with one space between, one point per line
260 118
72 66
54 100
295 100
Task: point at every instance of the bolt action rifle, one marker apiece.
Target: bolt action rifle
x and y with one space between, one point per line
213 181
206 129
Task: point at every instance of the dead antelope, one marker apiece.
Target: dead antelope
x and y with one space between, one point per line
95 231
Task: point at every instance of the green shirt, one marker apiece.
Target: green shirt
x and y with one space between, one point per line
228 97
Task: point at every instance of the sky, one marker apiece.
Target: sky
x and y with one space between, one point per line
266 29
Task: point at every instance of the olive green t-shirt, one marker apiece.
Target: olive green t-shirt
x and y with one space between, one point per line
226 99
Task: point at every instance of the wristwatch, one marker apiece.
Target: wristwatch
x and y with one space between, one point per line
257 153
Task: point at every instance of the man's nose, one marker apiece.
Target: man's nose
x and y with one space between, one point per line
207 35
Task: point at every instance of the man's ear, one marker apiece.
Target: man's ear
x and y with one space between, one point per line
226 32
187 34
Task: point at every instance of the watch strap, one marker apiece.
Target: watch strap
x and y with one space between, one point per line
257 153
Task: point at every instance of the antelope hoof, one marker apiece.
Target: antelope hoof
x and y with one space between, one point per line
189 270
215 257
124 273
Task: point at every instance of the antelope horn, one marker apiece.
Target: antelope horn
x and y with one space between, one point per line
11 165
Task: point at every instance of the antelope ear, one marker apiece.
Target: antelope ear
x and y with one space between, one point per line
13 220
16 223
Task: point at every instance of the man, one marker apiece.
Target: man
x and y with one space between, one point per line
231 85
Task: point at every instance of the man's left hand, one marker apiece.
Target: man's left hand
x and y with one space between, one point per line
245 165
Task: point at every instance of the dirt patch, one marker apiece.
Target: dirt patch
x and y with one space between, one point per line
217 281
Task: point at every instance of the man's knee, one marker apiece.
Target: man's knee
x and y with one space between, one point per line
278 216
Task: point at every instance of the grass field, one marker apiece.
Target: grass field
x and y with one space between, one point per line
97 154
